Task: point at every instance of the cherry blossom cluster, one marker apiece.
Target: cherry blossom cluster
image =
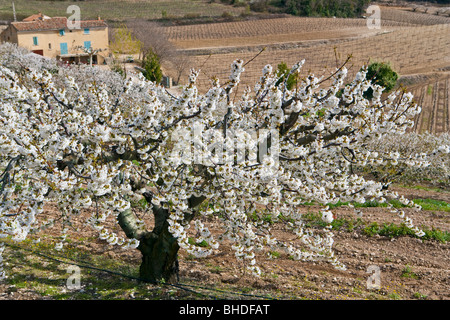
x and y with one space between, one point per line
88 139
418 156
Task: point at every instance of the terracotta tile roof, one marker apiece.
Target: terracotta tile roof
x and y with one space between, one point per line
93 24
55 23
38 16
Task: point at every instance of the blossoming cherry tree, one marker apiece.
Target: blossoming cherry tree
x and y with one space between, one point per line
87 139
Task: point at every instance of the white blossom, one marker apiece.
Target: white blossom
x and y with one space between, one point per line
103 145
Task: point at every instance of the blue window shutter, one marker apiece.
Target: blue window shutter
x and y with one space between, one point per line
62 32
63 47
35 41
87 44
86 30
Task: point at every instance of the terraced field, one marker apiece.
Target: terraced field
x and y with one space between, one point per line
409 17
208 35
394 46
412 42
435 117
263 31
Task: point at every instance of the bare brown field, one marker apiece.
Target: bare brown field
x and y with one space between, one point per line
266 31
407 16
412 42
435 95
430 52
239 43
390 17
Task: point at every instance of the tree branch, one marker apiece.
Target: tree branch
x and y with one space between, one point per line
129 225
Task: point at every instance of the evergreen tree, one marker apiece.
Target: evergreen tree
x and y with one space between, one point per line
382 74
152 67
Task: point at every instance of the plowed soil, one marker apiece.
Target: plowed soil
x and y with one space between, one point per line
409 267
428 261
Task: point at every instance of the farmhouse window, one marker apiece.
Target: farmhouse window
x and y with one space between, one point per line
35 41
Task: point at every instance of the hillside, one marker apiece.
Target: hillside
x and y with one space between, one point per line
119 10
414 43
210 35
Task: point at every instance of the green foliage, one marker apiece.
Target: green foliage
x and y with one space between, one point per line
382 74
394 296
117 67
433 205
389 230
152 67
426 204
283 72
436 234
141 204
345 224
408 273
394 231
274 254
202 243
323 8
260 5
123 41
419 295
371 229
262 216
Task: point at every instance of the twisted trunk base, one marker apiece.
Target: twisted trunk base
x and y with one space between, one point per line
159 248
159 257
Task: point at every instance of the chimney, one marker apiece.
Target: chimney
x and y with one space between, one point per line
14 11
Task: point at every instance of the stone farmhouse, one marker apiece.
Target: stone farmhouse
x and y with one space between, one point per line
53 37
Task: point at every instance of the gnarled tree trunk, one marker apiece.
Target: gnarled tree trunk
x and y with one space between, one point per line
159 258
159 248
159 252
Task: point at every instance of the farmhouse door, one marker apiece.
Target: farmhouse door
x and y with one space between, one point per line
63 47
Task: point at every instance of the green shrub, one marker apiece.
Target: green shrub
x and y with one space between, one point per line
152 67
382 74
322 8
283 72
